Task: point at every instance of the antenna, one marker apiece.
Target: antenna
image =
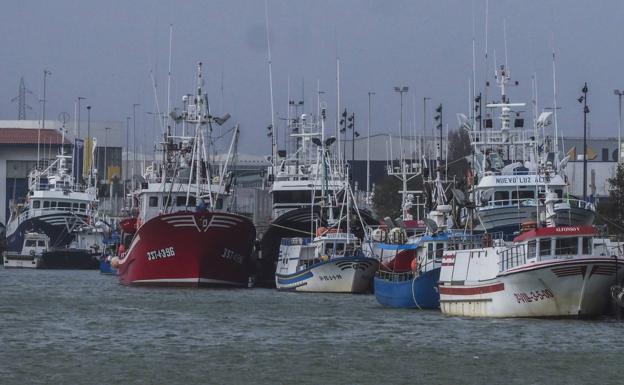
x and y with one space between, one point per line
505 39
555 100
274 136
487 70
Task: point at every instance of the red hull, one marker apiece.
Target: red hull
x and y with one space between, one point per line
190 249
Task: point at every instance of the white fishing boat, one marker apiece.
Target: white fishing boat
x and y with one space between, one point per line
507 185
332 262
29 256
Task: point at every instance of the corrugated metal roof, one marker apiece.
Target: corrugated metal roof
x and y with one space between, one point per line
30 136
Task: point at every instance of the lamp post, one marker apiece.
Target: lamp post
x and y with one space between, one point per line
105 149
90 144
619 93
134 106
368 146
45 76
583 99
127 148
422 144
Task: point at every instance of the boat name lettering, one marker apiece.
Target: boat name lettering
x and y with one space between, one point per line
518 180
534 296
566 229
232 255
167 252
332 277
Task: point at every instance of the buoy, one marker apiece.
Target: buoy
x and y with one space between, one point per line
114 262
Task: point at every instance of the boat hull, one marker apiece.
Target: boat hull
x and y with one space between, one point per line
508 219
190 249
559 288
407 291
21 261
58 227
339 275
70 259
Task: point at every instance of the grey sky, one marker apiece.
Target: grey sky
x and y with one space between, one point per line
105 50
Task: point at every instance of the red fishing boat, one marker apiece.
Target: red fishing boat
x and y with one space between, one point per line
183 233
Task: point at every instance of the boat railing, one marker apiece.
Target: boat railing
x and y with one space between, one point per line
532 202
512 257
394 276
295 241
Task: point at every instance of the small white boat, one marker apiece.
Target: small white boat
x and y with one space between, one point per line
544 272
34 246
329 263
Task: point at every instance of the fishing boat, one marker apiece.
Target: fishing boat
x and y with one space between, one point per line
550 271
183 234
331 261
507 186
58 207
30 255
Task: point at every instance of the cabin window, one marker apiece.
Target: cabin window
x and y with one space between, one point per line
329 249
531 249
340 248
83 206
587 245
153 202
75 206
192 201
605 154
219 204
559 193
46 204
544 246
41 243
31 243
181 200
501 198
522 194
439 250
429 250
36 204
65 205
566 246
53 204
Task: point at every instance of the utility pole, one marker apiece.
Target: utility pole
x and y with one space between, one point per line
583 99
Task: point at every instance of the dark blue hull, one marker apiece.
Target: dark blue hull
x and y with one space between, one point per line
56 226
420 292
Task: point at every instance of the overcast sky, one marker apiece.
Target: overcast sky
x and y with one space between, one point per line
106 50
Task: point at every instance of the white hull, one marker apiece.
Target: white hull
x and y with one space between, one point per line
340 275
21 261
576 287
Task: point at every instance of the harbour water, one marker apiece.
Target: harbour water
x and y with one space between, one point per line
79 327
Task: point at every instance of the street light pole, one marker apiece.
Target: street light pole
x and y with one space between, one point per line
368 146
134 106
422 144
45 75
125 168
90 146
583 99
619 93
